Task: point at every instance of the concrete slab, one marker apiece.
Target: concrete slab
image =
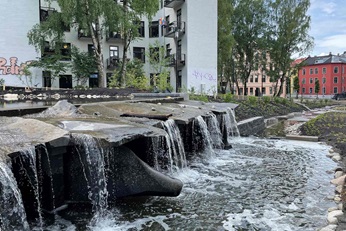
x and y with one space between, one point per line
303 138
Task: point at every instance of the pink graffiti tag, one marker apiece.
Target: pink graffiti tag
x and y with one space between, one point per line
203 75
13 68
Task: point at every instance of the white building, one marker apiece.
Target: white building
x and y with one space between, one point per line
189 36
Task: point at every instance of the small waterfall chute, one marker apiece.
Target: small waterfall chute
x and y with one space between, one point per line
201 136
214 130
92 160
12 212
230 124
29 168
175 145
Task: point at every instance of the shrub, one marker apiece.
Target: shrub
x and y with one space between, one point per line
228 97
277 100
266 99
252 100
203 98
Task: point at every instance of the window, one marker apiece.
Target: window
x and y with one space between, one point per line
316 70
336 70
310 90
65 51
154 29
251 91
324 80
141 29
324 90
270 90
303 81
311 80
139 53
335 90
251 79
311 71
263 78
91 49
47 78
324 70
256 78
303 90
316 79
168 49
154 54
263 91
65 81
343 70
114 51
335 79
304 71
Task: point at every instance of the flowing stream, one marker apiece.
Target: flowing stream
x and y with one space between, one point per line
257 185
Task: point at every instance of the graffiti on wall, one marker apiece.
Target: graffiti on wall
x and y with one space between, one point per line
12 67
201 75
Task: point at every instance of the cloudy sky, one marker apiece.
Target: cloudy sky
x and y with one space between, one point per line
328 26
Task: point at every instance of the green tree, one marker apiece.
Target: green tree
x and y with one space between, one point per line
225 43
83 64
50 63
249 24
288 31
317 87
158 64
296 85
130 15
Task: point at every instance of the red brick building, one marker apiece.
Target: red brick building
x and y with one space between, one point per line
330 70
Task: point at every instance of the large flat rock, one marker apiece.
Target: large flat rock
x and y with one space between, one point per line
17 133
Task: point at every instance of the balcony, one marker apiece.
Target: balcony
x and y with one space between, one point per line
114 37
84 34
47 51
45 12
176 60
112 63
174 29
173 3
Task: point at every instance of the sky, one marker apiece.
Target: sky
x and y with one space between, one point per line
328 26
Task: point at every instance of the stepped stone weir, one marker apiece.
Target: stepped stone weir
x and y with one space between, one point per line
94 154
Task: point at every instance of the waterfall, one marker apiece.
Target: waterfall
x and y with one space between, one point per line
215 133
231 124
175 145
91 157
30 155
162 158
201 136
12 213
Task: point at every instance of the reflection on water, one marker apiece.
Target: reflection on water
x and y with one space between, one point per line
14 104
258 185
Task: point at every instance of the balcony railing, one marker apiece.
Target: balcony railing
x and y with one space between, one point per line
45 12
174 29
112 63
173 3
84 33
114 36
176 60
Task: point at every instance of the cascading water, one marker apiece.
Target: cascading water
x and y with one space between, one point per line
201 137
162 157
214 129
12 213
29 154
92 160
231 124
175 145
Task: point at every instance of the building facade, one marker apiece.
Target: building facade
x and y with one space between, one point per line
181 27
330 72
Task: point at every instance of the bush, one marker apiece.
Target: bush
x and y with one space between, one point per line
252 100
266 99
203 98
228 97
277 100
